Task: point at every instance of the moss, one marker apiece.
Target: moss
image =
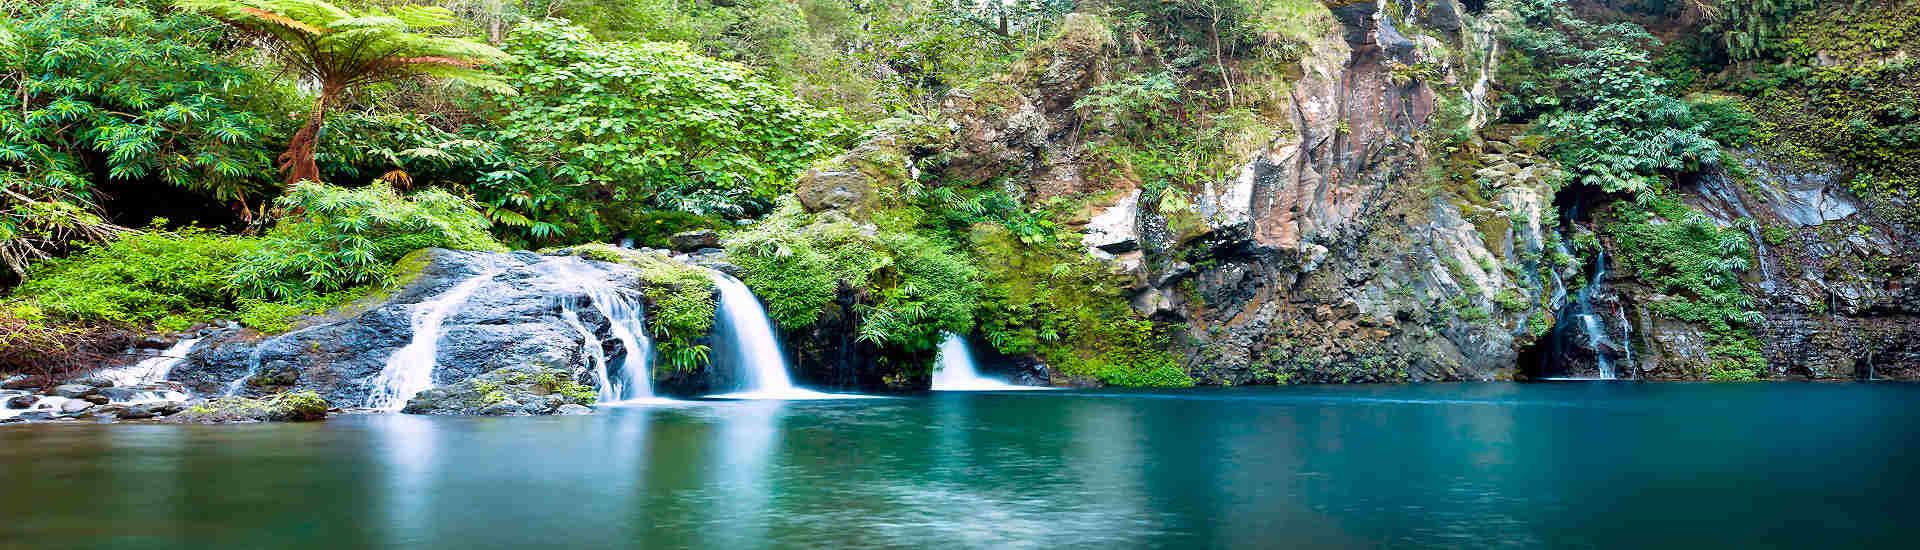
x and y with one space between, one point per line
680 301
297 406
913 288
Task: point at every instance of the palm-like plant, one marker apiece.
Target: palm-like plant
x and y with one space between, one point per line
342 49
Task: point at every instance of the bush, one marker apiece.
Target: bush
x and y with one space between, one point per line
1592 89
337 238
1683 254
656 125
141 279
916 289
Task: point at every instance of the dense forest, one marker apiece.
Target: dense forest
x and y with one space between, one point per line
1103 192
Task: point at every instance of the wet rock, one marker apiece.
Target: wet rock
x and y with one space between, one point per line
522 390
120 394
573 410
504 408
97 399
286 407
166 408
138 412
74 406
513 318
95 381
22 401
690 241
73 391
1116 229
37 415
18 382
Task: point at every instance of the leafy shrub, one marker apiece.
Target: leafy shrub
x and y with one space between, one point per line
338 238
141 278
1682 253
656 125
916 288
521 197
119 91
1590 84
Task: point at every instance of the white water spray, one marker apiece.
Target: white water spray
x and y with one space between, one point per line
626 319
409 370
956 371
741 330
152 369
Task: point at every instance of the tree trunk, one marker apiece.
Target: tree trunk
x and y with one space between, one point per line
297 163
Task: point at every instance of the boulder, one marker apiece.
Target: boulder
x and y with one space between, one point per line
513 310
97 399
690 241
573 410
138 412
37 415
1116 229
95 381
507 391
504 408
74 406
73 391
22 401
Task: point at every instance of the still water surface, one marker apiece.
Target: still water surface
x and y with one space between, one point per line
1450 465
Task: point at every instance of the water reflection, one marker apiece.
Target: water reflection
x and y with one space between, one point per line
1644 466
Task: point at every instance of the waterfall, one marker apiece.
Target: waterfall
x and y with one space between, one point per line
956 371
1589 323
409 371
742 332
1626 338
626 319
152 369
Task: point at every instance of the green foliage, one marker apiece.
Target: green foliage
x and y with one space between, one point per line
528 207
1589 84
916 288
681 300
300 406
106 90
140 279
656 125
868 58
103 91
1051 300
1699 264
343 50
337 238
1750 29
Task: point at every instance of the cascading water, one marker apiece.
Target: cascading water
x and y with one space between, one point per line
152 369
409 370
1590 324
957 373
626 319
742 331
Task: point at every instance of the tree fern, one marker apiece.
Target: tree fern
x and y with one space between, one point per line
344 49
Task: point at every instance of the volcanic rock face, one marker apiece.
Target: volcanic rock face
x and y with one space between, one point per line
514 319
1833 279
